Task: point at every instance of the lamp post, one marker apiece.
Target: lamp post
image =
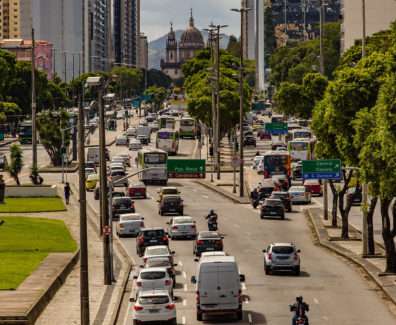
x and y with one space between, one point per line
241 163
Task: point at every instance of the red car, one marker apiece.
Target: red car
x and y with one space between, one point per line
314 186
263 135
137 188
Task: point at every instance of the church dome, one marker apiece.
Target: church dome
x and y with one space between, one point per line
191 37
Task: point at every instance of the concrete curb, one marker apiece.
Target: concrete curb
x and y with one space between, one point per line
7 142
114 316
230 196
384 284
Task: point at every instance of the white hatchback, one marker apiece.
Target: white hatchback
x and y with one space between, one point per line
135 145
154 306
153 278
256 161
158 251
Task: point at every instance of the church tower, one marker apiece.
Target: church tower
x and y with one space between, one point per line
171 47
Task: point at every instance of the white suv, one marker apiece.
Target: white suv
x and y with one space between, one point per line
281 256
153 278
154 306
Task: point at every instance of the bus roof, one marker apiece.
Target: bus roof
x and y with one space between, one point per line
303 140
279 153
152 150
26 122
166 130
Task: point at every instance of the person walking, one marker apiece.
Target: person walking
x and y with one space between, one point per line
68 191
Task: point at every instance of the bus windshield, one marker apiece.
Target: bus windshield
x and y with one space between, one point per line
298 146
25 129
155 158
303 134
187 122
276 164
165 135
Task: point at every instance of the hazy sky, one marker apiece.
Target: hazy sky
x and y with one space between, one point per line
156 15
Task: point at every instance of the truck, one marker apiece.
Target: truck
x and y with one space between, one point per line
143 134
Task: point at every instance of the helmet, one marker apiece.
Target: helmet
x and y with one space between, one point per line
257 152
299 298
211 211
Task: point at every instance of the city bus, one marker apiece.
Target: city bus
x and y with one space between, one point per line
168 140
276 162
296 133
167 122
147 158
187 127
301 149
25 132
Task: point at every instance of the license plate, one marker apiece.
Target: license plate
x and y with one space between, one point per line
153 241
272 212
154 311
172 209
210 249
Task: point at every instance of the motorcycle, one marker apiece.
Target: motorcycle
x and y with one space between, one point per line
212 224
255 202
301 319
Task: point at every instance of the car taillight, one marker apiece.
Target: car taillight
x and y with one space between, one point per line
141 240
139 284
199 241
174 227
286 181
170 270
167 282
269 255
197 292
132 205
265 174
295 256
181 203
89 181
112 206
304 194
349 195
193 227
219 241
240 297
275 188
142 224
171 306
145 260
156 144
164 238
173 145
121 225
137 307
111 178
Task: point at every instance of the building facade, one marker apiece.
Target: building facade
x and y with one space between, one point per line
379 14
191 41
9 19
143 52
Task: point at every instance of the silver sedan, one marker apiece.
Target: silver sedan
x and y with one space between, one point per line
135 145
182 227
121 140
299 194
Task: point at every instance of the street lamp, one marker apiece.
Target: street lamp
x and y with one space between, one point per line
241 163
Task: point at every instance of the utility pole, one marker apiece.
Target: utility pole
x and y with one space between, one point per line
84 287
34 122
285 1
364 28
241 162
103 191
322 71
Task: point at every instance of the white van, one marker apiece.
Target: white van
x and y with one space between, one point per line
218 286
93 155
143 134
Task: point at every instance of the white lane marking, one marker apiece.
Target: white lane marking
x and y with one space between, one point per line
250 318
194 189
246 300
301 209
183 320
184 302
318 202
243 286
238 226
206 197
180 263
184 274
316 300
151 198
225 218
185 287
248 233
325 318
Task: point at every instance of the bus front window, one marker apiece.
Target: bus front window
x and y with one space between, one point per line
298 146
155 158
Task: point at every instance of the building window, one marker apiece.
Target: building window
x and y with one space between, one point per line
176 71
171 55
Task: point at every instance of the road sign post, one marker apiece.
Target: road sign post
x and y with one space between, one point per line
186 168
234 164
321 169
276 128
106 230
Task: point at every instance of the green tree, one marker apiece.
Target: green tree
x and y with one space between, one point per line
128 81
16 163
49 127
158 95
234 46
269 31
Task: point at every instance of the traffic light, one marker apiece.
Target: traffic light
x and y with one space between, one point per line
198 131
63 151
236 146
211 151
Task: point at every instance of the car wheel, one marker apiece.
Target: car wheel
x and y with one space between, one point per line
181 212
239 315
135 322
161 213
261 216
199 316
290 210
173 322
267 269
320 194
145 197
283 217
297 270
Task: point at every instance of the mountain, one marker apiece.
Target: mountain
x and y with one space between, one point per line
157 48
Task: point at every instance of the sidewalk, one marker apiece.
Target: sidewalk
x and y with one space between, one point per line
352 250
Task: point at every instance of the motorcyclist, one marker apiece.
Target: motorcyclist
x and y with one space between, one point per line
254 195
257 153
212 217
299 307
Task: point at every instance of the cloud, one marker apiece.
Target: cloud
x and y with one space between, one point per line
155 15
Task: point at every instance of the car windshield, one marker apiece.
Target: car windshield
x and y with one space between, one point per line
137 184
209 234
273 203
311 182
157 262
297 189
278 195
130 218
157 251
154 300
169 191
152 275
171 199
122 200
178 221
282 249
153 233
118 173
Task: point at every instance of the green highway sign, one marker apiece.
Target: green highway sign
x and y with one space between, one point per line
259 106
321 169
145 97
186 168
275 128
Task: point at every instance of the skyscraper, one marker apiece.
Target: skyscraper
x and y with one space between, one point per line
251 30
143 52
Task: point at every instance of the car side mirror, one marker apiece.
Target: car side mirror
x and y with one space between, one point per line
196 259
132 299
158 200
298 251
175 264
142 218
242 277
264 251
141 266
166 234
222 237
167 223
135 277
193 279
173 252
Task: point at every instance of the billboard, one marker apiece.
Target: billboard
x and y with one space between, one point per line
42 56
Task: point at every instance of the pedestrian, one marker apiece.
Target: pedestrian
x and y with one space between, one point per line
68 191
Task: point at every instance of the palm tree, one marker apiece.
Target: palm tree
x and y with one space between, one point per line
16 165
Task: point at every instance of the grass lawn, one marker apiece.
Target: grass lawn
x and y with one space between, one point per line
25 242
32 204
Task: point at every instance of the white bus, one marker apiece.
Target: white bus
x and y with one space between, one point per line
168 140
301 149
299 133
147 158
187 127
167 122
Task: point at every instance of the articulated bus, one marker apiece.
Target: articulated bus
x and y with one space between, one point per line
296 133
187 127
168 140
147 158
301 149
167 122
25 132
276 162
